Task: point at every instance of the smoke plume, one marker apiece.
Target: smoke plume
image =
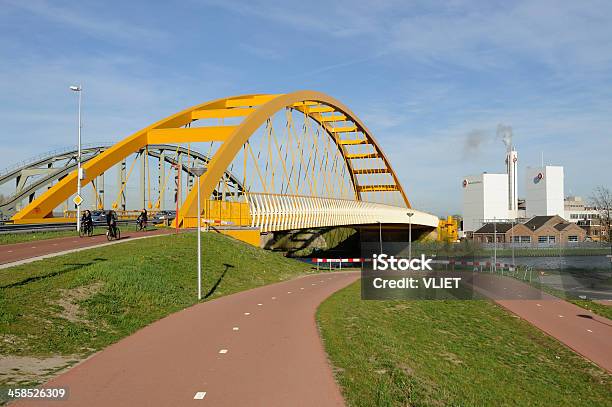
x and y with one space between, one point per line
505 134
474 141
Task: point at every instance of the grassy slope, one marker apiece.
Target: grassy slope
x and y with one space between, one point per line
139 282
468 353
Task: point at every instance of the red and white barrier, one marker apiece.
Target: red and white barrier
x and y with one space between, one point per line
361 260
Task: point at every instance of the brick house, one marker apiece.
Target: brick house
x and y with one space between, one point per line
537 231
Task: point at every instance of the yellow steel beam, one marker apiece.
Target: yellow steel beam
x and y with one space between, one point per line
353 142
371 171
320 109
361 156
254 100
306 103
189 135
343 129
332 118
221 113
377 188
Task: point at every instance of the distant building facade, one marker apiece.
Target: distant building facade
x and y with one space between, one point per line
587 217
537 231
544 191
485 198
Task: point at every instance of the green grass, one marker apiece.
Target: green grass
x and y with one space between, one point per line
450 353
136 283
11 238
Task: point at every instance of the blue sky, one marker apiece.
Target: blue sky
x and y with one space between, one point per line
432 80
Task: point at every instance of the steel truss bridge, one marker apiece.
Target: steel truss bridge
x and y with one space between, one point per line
274 162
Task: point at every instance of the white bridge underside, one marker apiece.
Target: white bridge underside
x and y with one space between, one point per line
271 212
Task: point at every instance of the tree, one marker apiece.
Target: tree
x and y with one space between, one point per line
602 201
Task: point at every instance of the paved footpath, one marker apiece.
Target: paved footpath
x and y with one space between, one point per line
586 333
259 347
19 252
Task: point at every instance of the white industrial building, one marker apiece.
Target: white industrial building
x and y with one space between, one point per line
494 197
485 199
544 191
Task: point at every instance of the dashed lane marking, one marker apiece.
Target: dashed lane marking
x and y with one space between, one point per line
589 330
235 328
560 316
199 395
288 292
539 305
247 313
260 304
273 298
223 351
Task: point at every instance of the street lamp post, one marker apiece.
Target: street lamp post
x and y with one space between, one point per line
410 234
380 235
495 244
79 90
198 171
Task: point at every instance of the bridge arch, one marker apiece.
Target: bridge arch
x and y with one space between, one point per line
254 110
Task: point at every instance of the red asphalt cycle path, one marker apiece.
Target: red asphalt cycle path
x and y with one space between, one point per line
259 347
10 253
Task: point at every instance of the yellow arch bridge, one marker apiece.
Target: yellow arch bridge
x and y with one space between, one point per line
274 163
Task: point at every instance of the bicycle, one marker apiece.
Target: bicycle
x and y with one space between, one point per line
113 232
86 230
141 225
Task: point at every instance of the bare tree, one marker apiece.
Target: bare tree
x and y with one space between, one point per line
602 201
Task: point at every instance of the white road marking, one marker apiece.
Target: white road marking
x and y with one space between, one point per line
301 288
288 292
33 247
560 316
314 284
539 305
260 304
223 351
55 244
199 395
589 330
247 313
10 251
235 328
273 298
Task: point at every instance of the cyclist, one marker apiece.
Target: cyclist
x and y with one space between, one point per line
142 219
86 221
111 222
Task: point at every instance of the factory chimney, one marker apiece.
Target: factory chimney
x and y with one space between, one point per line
505 134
